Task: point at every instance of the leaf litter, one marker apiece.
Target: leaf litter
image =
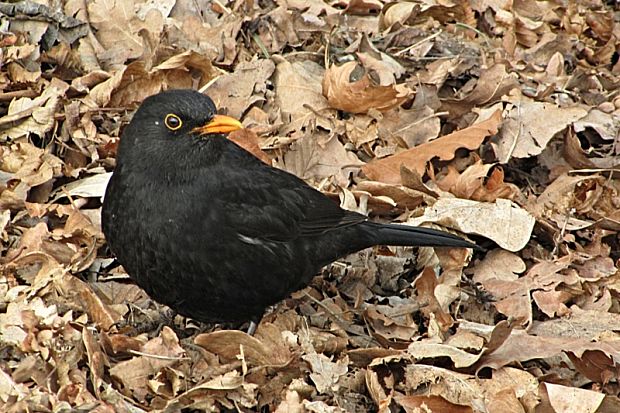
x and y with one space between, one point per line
501 121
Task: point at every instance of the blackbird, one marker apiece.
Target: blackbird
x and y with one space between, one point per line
214 233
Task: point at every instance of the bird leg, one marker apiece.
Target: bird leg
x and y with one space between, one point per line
252 328
254 322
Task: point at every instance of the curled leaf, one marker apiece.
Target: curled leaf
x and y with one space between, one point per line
361 95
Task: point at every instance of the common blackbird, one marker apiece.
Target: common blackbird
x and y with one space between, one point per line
208 229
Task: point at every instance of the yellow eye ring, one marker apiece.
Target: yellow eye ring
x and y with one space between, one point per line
173 122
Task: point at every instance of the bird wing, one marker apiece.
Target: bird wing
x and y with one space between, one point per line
274 205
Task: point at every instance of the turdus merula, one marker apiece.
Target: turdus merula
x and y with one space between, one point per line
214 233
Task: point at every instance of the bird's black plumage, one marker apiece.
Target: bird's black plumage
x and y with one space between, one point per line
214 233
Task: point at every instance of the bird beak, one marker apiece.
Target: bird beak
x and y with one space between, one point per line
219 124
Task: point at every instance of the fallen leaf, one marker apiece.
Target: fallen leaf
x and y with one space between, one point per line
494 82
236 92
522 136
326 373
502 221
571 400
345 91
299 96
248 140
317 156
388 170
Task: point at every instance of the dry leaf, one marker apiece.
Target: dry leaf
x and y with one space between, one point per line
73 75
388 170
299 97
522 136
325 373
237 92
347 91
503 221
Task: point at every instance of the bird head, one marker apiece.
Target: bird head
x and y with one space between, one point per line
175 121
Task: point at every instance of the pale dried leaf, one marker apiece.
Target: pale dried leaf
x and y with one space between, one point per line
502 221
523 136
326 373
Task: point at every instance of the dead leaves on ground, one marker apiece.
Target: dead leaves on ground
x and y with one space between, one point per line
501 122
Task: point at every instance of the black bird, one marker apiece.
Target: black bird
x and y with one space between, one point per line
208 229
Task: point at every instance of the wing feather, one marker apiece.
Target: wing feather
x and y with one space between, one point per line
280 207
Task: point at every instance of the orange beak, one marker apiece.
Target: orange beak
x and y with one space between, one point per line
219 124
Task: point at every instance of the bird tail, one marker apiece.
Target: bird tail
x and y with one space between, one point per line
405 235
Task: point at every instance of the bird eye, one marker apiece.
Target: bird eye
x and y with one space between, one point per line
173 122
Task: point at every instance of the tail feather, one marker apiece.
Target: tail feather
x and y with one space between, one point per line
405 235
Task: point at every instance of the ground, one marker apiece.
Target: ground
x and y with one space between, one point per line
496 120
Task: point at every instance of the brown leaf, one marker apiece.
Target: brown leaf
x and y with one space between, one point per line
27 116
403 196
378 394
414 404
30 164
573 152
257 352
291 404
326 373
117 26
318 156
455 388
187 70
574 400
237 91
523 136
388 169
564 194
97 361
413 127
425 285
493 83
361 94
158 353
299 97
476 183
248 140
82 294
521 346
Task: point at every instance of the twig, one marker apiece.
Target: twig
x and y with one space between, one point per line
261 46
516 136
26 93
335 318
473 29
417 122
421 42
226 9
592 170
157 356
